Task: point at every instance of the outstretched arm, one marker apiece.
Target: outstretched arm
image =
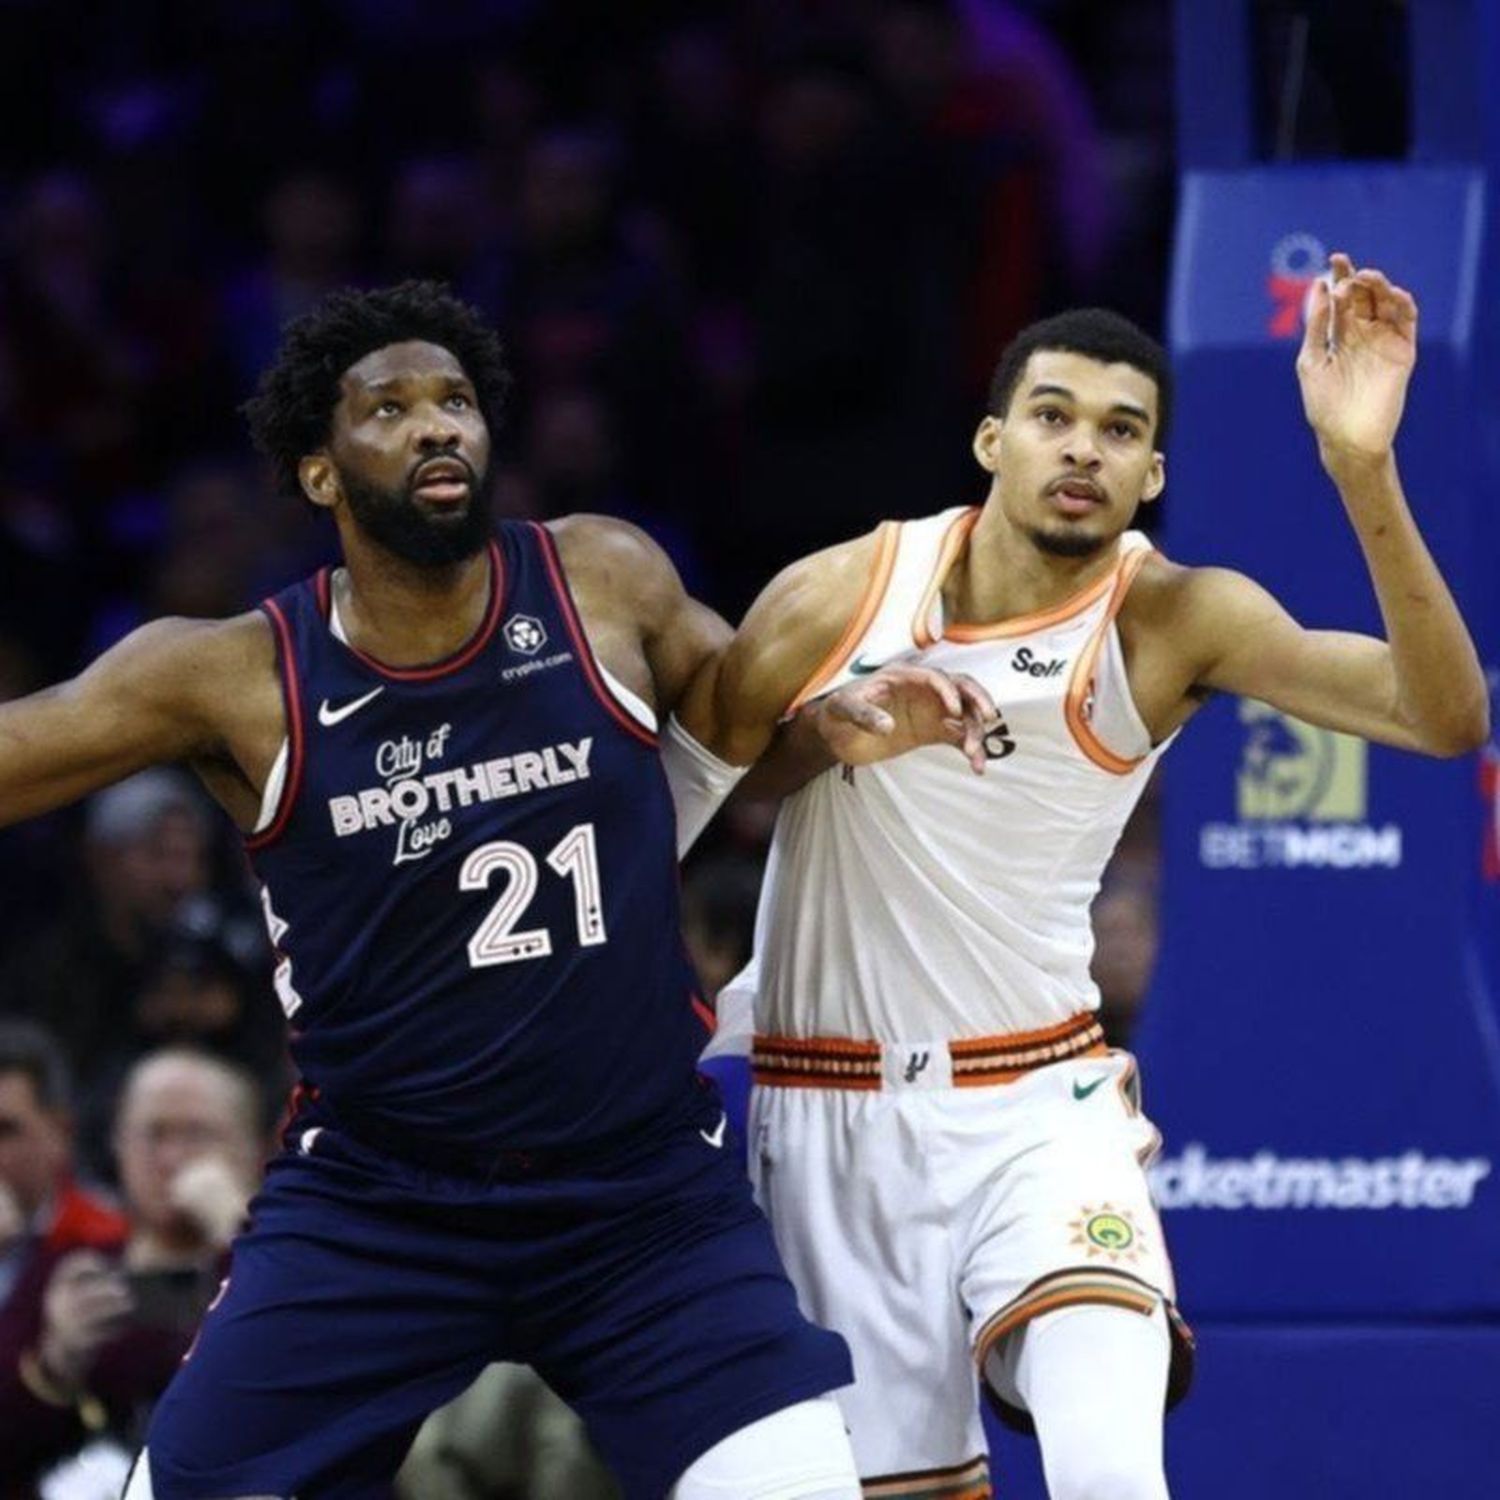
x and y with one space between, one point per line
147 700
1422 688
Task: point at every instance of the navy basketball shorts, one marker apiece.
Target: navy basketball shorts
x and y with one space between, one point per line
367 1291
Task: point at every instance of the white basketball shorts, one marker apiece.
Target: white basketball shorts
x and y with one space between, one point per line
927 1222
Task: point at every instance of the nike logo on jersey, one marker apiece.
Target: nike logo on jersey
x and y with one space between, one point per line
328 716
859 667
715 1137
1082 1091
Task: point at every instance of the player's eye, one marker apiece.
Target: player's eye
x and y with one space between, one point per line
1049 416
1123 430
388 409
459 402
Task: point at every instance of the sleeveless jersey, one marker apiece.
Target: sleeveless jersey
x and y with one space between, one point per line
470 877
913 899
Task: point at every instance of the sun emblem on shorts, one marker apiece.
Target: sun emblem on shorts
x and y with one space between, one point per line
1108 1232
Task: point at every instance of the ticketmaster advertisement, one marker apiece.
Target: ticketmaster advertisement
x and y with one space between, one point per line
1321 1044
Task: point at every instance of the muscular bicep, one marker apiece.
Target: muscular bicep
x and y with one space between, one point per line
146 700
1336 679
736 704
684 653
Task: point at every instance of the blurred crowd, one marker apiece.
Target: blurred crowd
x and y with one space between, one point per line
753 263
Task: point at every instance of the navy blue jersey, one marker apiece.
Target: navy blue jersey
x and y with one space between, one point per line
471 880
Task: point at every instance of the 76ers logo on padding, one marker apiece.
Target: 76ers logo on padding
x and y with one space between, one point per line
525 634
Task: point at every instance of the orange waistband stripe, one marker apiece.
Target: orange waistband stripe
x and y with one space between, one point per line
976 1062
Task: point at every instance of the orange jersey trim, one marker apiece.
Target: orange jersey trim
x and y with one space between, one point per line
1081 683
1040 620
954 541
864 613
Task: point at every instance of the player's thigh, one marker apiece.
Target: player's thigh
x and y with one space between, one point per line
1069 1222
694 1335
859 1221
334 1335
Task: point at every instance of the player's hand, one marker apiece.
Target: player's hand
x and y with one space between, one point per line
1356 359
85 1304
900 708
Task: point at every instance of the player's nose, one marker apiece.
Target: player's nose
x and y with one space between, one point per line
435 430
1082 449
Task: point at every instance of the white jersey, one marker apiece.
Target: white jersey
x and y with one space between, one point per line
914 899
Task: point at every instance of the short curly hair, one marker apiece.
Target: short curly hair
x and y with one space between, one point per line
1097 333
291 413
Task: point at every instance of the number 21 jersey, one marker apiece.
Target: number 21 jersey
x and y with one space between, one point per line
470 879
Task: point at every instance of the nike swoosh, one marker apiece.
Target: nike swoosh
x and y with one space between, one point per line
1081 1091
715 1137
862 668
328 717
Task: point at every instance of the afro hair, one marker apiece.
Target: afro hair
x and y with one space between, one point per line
291 413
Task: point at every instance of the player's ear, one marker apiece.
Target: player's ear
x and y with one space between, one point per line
987 444
1156 477
319 479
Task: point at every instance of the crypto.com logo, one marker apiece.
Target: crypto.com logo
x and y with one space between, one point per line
1297 261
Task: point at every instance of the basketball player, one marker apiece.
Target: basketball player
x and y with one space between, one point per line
950 1158
444 759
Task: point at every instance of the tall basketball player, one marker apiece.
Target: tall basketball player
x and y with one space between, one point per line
444 759
951 1160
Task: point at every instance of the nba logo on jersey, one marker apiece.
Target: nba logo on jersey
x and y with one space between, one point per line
525 634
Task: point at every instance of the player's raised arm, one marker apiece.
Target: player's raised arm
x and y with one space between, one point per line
149 699
1422 688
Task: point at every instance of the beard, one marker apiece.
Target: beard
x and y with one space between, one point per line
1066 543
396 521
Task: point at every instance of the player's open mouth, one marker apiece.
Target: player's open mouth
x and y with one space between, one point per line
442 481
1076 497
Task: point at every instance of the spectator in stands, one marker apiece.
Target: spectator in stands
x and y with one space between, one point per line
207 986
43 1211
90 1338
146 847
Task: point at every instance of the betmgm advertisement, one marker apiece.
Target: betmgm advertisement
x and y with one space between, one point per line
1302 800
1317 1046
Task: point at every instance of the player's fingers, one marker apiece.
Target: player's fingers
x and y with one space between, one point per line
976 698
974 747
1340 311
1399 306
1319 315
1340 267
931 680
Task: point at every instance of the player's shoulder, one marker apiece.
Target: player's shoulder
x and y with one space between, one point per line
1186 604
823 588
605 555
227 650
204 676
